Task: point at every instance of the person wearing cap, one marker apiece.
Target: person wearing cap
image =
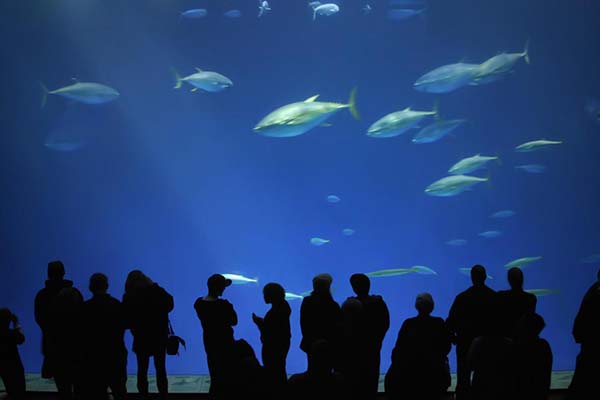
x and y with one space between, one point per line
217 317
46 316
419 368
320 317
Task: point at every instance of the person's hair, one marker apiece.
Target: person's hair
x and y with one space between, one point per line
274 292
98 283
322 284
530 325
515 278
136 280
360 284
56 270
478 274
5 317
424 303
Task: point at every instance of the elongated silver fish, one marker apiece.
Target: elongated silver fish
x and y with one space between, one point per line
209 81
453 185
536 145
522 262
398 122
470 164
83 92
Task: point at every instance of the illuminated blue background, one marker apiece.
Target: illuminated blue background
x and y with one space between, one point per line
179 185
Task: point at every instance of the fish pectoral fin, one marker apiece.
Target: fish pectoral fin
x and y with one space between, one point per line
311 99
194 90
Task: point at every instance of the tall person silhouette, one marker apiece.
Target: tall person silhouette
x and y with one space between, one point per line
218 318
275 335
514 303
104 352
147 307
470 316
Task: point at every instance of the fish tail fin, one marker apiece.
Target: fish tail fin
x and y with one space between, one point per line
314 13
178 79
436 108
526 52
45 92
352 105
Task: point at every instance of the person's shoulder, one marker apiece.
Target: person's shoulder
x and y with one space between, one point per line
199 302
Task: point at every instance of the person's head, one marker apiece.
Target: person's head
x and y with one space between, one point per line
56 270
216 284
530 326
98 283
136 280
424 303
321 357
322 283
5 317
360 284
515 278
273 293
478 275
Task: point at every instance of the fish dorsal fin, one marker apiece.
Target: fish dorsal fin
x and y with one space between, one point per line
76 80
407 109
311 99
198 69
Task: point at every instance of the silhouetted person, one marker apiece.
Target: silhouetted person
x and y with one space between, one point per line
218 318
44 310
320 317
375 324
353 349
514 303
491 360
147 307
275 335
533 362
470 316
319 382
586 331
67 363
419 368
247 380
105 355
11 367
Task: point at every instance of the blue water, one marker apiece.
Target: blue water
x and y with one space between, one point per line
179 185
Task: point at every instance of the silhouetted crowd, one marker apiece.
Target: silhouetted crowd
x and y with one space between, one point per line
499 351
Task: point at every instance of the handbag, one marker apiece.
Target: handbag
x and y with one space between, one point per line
173 342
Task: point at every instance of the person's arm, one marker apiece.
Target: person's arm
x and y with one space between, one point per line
39 310
452 320
17 333
232 318
259 321
169 301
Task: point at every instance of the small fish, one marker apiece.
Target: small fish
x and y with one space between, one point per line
367 9
499 66
298 118
536 145
453 185
532 168
593 259
400 14
263 7
503 214
437 130
206 80
398 122
63 146
240 279
470 164
522 262
389 272
233 13
332 198
542 292
348 232
422 270
293 296
83 92
195 13
490 234
317 241
456 242
447 78
467 271
323 9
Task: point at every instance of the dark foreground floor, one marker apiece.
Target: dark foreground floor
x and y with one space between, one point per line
555 395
